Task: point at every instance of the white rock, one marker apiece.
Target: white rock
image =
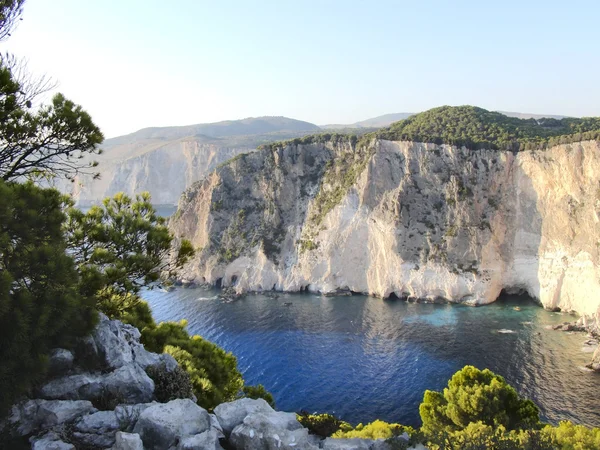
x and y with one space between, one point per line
271 430
347 444
127 441
50 443
231 414
161 425
209 440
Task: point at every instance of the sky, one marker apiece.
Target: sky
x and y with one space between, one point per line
138 63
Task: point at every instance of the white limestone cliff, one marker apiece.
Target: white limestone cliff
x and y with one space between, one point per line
415 220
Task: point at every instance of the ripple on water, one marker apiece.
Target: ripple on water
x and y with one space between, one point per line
364 358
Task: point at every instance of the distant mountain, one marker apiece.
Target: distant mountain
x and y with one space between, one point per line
167 160
375 122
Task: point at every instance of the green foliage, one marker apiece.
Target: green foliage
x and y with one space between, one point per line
374 430
478 436
43 302
477 128
46 142
323 425
258 391
127 245
568 436
475 395
170 385
213 372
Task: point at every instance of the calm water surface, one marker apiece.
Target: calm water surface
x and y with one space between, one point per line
363 358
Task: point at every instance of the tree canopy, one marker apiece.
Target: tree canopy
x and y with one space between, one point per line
477 128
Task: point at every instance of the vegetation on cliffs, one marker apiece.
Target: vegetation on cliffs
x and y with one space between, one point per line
477 128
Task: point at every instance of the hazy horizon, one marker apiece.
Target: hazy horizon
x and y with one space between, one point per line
135 64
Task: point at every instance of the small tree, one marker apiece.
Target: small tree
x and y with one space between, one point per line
128 245
42 302
475 395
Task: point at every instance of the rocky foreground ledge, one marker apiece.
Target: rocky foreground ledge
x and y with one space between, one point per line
100 397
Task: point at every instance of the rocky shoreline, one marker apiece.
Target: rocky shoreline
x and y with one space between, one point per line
100 397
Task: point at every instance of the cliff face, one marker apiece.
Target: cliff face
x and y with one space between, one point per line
415 220
165 172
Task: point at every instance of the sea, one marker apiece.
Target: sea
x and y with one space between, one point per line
363 358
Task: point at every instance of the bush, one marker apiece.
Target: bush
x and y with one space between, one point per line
323 425
474 395
258 391
568 436
169 385
43 305
375 430
213 372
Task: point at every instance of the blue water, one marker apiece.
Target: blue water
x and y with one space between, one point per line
364 358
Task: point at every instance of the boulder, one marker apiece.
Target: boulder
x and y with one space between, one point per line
215 425
51 441
347 444
127 441
118 345
162 425
595 363
113 339
270 431
36 415
128 415
128 384
209 440
98 429
61 361
232 414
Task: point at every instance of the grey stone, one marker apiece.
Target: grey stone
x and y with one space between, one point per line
97 429
209 440
130 382
215 425
347 444
232 414
127 441
128 415
270 431
61 361
163 424
113 340
35 415
51 442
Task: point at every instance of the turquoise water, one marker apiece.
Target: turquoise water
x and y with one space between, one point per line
364 358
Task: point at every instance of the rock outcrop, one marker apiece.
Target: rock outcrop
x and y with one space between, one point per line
87 415
422 221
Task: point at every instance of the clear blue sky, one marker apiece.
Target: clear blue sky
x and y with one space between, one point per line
134 63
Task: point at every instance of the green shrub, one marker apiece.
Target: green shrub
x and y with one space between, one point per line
475 395
323 425
169 385
375 430
568 436
258 391
213 371
43 302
